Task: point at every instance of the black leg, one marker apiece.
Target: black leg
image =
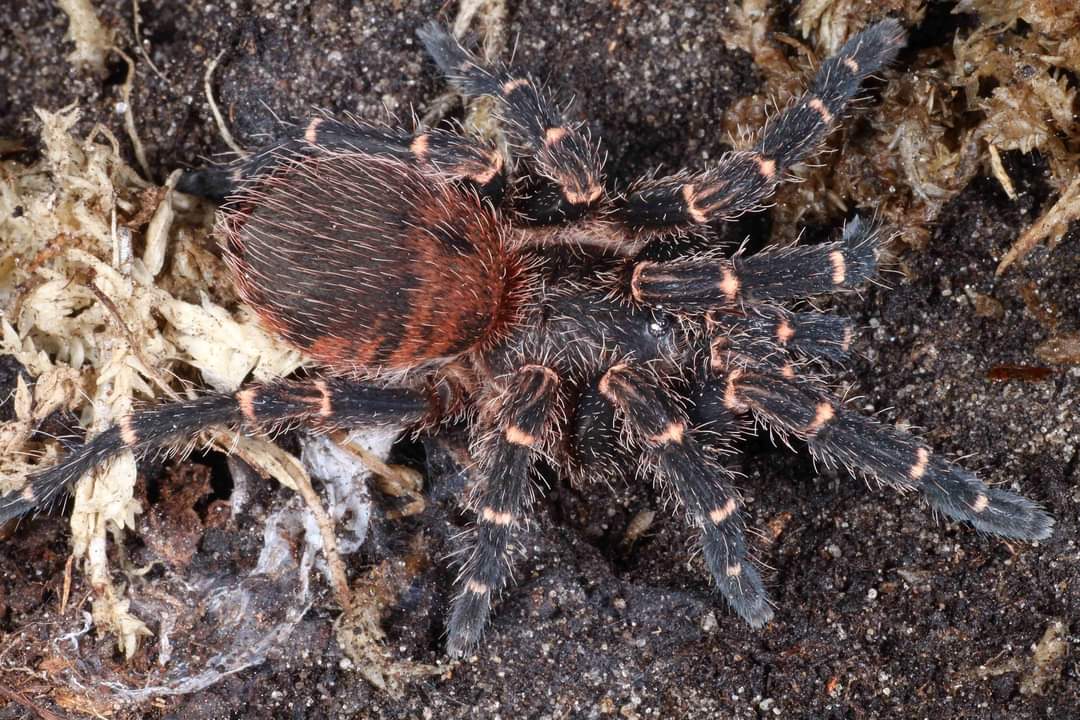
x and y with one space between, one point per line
450 155
744 181
521 416
657 425
564 153
810 335
836 436
773 275
324 403
594 450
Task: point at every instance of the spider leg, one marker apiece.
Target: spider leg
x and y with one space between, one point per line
563 152
809 334
597 452
448 154
656 423
772 275
714 423
743 181
594 450
840 437
327 403
522 417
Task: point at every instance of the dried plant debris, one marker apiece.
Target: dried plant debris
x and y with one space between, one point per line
93 41
359 630
750 30
821 195
1002 86
831 22
1039 671
112 295
81 309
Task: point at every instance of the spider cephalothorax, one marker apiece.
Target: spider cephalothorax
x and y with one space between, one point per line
396 263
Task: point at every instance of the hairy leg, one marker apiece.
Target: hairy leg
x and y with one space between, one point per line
521 416
453 156
772 275
808 334
563 153
324 403
743 181
657 425
792 406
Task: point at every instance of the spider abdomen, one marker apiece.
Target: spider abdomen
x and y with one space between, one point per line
366 262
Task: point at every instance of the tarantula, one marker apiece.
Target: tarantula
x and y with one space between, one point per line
395 263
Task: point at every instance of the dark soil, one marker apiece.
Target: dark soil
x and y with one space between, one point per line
882 610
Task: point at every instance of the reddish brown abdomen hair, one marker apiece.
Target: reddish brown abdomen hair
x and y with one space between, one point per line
367 263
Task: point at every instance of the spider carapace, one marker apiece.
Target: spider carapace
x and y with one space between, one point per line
424 285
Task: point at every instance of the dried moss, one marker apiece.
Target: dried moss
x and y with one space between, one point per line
1008 84
96 316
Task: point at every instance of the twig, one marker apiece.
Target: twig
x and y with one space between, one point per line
129 115
395 481
330 551
138 41
66 593
1053 224
222 128
18 697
